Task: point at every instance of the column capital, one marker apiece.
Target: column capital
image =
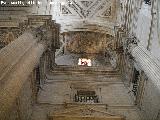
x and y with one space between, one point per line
43 34
130 43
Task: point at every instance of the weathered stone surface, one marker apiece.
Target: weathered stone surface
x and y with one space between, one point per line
14 74
149 64
98 16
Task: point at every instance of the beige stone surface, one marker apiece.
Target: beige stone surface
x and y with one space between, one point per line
59 85
15 74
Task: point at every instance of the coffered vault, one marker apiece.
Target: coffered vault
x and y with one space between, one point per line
86 15
73 15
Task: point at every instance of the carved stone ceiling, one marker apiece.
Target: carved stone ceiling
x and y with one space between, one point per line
86 15
73 15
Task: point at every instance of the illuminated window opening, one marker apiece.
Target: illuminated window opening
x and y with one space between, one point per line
84 62
86 97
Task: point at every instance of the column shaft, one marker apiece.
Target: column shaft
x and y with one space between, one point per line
12 53
21 57
149 64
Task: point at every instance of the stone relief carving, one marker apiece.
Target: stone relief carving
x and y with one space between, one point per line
8 35
2 39
102 13
86 42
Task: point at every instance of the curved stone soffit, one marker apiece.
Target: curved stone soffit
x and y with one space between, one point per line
85 113
88 15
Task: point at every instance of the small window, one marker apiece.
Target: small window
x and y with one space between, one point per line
84 62
86 97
